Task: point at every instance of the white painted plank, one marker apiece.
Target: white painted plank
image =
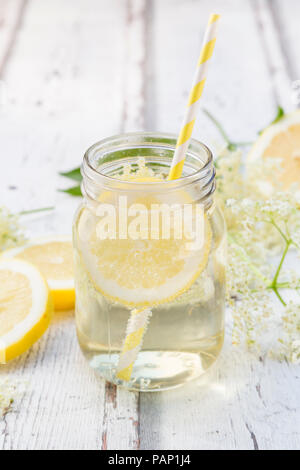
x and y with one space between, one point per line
286 16
65 92
62 407
121 419
267 14
121 425
238 90
135 66
246 403
11 16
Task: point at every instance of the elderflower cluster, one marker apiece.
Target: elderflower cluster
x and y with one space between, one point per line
248 299
290 334
7 393
10 392
10 231
263 228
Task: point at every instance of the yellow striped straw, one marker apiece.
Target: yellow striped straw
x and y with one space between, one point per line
139 318
194 98
136 328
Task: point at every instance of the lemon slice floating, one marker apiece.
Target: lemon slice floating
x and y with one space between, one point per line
25 307
281 140
139 273
53 256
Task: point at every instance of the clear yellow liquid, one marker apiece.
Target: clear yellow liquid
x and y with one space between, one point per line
183 338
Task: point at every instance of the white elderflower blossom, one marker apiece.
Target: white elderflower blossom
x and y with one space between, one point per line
290 335
263 226
10 231
10 392
7 394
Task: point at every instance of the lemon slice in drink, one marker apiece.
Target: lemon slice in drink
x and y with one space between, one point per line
281 140
143 272
25 307
53 256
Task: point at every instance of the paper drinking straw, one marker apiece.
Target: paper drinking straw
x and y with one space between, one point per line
136 328
194 98
138 321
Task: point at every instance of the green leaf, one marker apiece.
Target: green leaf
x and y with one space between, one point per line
73 174
74 191
280 114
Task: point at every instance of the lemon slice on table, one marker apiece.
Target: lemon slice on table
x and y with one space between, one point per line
25 307
143 272
281 140
53 255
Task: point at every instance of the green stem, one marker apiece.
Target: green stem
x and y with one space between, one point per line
287 229
283 285
286 285
296 245
274 282
217 124
279 296
35 211
272 221
230 144
273 285
287 238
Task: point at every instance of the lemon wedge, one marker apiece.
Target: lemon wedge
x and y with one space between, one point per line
25 307
281 140
53 256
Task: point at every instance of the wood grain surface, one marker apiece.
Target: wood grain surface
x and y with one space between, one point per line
73 72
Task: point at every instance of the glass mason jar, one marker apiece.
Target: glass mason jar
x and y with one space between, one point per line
149 304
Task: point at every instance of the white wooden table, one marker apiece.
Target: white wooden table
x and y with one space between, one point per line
73 72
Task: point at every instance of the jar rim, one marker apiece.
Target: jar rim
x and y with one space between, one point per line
88 169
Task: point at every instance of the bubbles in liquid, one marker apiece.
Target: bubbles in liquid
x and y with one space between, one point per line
184 337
